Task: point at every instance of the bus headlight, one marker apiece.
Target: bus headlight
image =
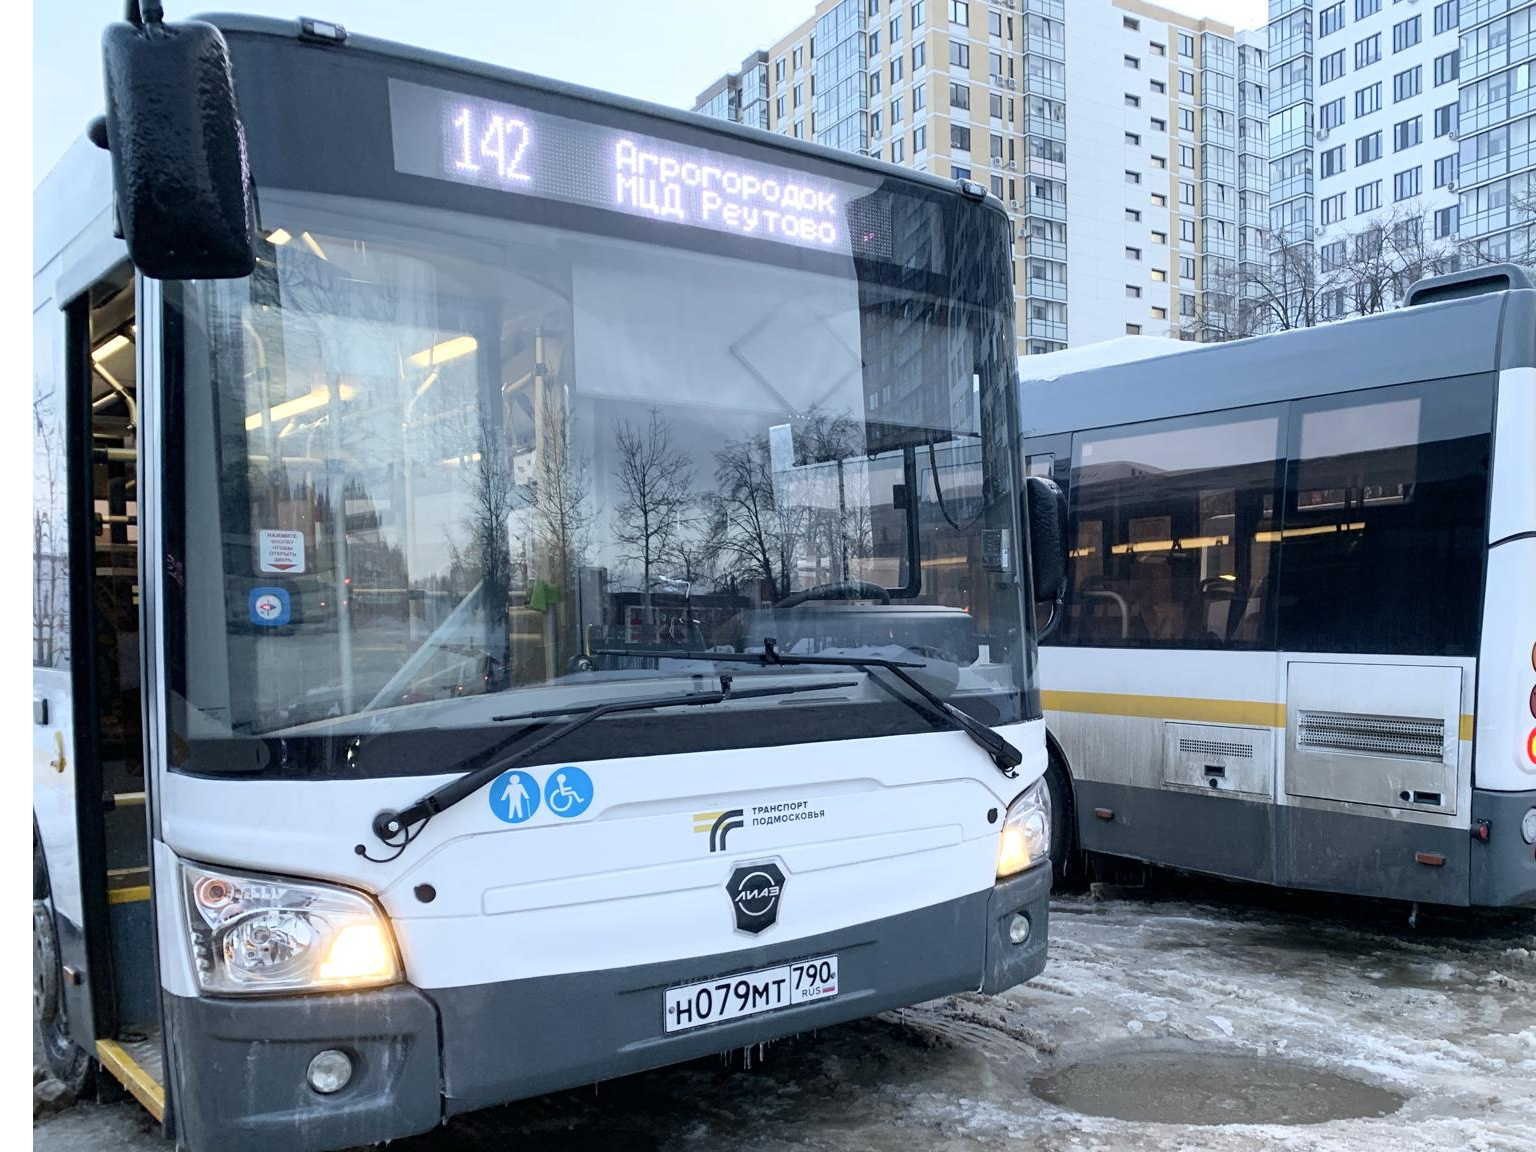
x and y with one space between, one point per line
1026 839
256 934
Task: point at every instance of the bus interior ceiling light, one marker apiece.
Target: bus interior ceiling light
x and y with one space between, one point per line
441 353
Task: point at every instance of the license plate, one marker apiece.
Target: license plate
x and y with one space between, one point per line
748 993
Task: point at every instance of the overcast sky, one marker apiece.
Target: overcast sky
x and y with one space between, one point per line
661 50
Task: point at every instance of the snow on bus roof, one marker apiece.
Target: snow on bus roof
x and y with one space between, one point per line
1104 354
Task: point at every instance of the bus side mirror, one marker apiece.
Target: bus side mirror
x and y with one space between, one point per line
179 166
1047 507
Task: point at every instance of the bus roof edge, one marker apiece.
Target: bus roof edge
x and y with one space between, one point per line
1472 282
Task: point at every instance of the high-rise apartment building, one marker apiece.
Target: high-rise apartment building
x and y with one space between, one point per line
1413 120
1128 141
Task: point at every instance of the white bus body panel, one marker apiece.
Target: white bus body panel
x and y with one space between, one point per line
1504 719
903 825
1512 501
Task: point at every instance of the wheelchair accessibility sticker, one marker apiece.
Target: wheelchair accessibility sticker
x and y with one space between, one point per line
515 795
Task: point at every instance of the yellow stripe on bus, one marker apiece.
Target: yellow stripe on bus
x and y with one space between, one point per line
145 1088
132 895
1251 713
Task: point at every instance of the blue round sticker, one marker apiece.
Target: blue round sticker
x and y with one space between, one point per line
514 796
568 791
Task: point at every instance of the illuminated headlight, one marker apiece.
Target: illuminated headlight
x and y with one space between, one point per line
1528 827
1026 839
256 934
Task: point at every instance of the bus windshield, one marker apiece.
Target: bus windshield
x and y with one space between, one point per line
427 463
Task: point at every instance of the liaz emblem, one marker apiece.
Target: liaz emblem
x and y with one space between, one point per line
755 891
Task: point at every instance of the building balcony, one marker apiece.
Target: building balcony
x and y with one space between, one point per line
1227 248
1038 85
1224 137
1290 188
1045 289
1053 8
1045 209
1045 329
1044 46
1050 169
1515 51
1289 47
1474 12
1045 126
1045 249
1253 218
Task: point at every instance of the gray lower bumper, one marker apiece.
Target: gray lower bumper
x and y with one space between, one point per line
1503 869
421 1055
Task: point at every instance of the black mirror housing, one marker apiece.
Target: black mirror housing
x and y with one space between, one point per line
1047 510
179 164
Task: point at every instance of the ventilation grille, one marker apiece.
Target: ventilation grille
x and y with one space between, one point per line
1397 736
1214 748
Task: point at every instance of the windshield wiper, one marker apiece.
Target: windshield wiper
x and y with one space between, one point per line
1003 754
395 828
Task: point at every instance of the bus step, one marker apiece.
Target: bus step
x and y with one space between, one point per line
139 1065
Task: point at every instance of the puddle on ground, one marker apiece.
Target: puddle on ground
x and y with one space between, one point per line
1199 1088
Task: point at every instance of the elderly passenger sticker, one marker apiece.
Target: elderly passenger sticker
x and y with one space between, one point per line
748 993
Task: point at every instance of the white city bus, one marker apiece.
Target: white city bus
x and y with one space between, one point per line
549 601
1298 644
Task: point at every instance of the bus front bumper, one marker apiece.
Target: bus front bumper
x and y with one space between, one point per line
422 1055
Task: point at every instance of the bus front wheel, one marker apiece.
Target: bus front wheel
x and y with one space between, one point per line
1064 854
66 1061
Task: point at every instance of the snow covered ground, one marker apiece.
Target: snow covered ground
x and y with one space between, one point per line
1210 1003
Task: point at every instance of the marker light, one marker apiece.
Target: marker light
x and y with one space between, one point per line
264 934
1026 833
1528 827
1530 745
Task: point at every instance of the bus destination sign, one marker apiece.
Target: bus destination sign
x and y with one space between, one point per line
469 140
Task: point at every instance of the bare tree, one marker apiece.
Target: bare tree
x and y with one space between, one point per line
756 538
50 577
558 498
656 481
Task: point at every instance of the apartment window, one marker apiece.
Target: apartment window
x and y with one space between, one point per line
778 69
1333 208
919 56
874 42
1186 267
1131 22
1160 238
1330 19
1405 34
958 173
1159 125
960 13
1368 100
1333 255
1186 231
1132 62
799 57
1447 68
1132 101
919 140
1186 82
1133 292
1445 171
1132 253
895 29
1159 200
874 124
959 138
997 187
1407 185
1333 161
959 54
1364 8
1186 304
1159 87
919 14
896 112
1160 275
1186 192
799 129
798 91
1187 156
898 66
1132 140
1445 120
959 95
1407 83
1367 148
919 97
1160 162
995 66
1445 222
1187 120
874 83
1446 16
874 7
1368 197
995 105
1407 133
1330 67
1186 45
1331 114
1132 177
1157 49
994 22
779 107
1133 329
1367 51
898 153
997 149
1159 313
875 155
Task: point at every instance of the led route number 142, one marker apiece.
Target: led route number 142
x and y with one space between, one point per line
504 141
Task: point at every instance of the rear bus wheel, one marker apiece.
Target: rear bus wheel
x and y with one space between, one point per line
67 1062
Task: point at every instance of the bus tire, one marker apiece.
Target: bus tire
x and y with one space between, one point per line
65 1060
1064 855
